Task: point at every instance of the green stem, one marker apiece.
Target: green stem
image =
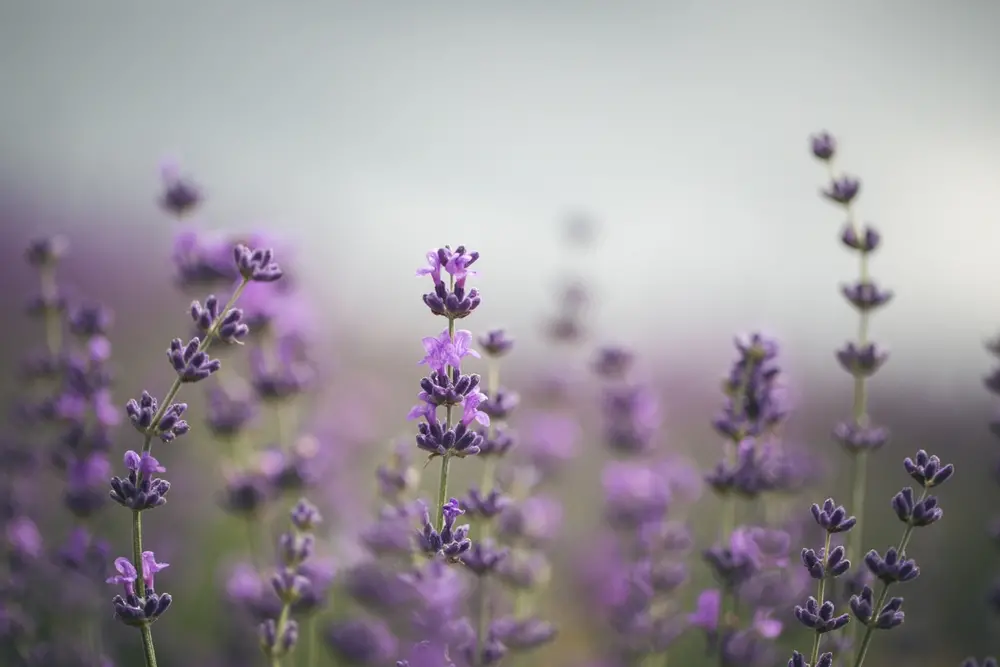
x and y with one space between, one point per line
866 639
279 631
50 292
820 598
446 459
147 646
443 486
859 468
148 650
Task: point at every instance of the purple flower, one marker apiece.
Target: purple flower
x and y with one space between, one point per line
824 146
443 351
180 195
368 643
706 613
634 493
843 190
496 343
149 569
451 301
23 537
190 361
126 576
256 265
471 411
766 627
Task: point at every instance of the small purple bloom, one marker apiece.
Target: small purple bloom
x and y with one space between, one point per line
843 190
149 568
706 614
126 576
471 411
823 145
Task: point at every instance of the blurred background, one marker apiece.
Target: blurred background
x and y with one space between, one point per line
672 135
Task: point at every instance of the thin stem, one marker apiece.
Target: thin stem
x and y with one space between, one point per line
859 468
820 598
147 646
446 460
866 639
53 325
483 618
148 650
279 631
443 486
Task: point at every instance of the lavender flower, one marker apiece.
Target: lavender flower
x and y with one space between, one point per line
141 605
140 492
818 613
180 195
444 356
881 612
291 583
861 358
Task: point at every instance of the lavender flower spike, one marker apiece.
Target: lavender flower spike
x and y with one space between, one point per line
861 358
139 491
446 385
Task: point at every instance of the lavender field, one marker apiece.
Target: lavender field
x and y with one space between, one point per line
551 334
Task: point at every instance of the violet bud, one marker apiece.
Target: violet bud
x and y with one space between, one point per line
856 438
832 517
44 252
868 241
862 361
843 190
305 516
820 618
823 145
496 343
894 568
928 470
256 265
917 514
190 362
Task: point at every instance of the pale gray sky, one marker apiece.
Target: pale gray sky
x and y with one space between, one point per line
378 129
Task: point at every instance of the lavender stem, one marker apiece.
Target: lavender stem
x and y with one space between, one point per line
148 650
859 469
820 597
49 290
446 459
866 639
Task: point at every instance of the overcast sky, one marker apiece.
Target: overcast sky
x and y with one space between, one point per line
375 130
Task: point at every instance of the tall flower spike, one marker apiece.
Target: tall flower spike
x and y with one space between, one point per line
861 358
139 490
895 567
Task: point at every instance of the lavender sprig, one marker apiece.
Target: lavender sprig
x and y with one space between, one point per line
894 567
191 364
444 355
819 614
278 637
861 358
